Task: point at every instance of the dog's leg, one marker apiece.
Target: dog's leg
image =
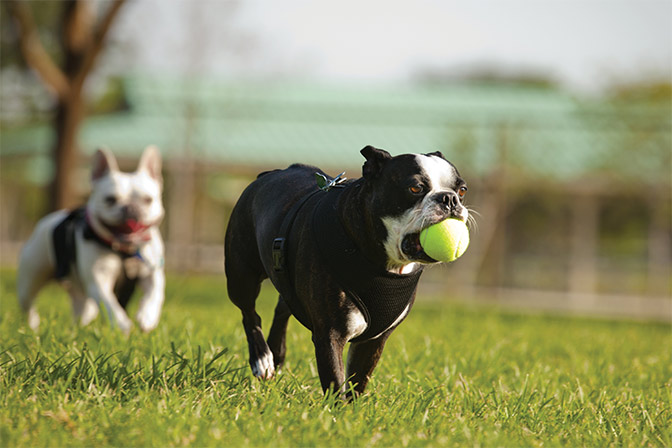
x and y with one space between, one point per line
100 277
35 271
124 289
363 358
329 355
244 274
27 289
277 334
149 310
36 266
84 309
261 358
243 291
103 294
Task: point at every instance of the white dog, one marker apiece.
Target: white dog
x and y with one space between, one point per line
99 252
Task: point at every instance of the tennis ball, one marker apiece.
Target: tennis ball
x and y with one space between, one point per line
445 241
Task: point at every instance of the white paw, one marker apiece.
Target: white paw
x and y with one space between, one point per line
124 324
33 319
263 367
148 317
89 312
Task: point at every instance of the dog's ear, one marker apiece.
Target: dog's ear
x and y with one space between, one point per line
437 154
103 163
375 160
150 162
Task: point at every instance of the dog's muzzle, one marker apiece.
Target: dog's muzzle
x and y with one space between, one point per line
447 205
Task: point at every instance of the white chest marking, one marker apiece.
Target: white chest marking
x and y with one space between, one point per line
356 323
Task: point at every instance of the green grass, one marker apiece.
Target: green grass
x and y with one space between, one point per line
450 375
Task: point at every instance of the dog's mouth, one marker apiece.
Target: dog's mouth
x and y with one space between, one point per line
411 247
127 227
410 244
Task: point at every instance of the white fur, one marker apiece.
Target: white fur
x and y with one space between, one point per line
442 177
128 188
263 366
356 323
91 282
408 268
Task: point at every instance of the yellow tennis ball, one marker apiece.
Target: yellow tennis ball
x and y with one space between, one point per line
445 241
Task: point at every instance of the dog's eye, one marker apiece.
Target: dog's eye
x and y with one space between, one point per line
462 191
147 200
416 189
110 201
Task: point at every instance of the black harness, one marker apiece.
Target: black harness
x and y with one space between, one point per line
63 239
65 252
381 296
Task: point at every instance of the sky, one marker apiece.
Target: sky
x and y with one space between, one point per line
584 45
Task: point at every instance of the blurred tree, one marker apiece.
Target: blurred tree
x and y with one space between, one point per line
63 65
485 74
645 91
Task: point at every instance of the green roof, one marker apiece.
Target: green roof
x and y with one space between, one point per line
543 132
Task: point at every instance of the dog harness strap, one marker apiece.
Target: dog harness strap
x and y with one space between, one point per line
280 243
63 238
382 296
281 267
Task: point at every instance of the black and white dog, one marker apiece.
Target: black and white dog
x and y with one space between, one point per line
345 258
101 251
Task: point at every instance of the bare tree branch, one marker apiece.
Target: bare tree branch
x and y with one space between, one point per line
96 44
34 53
78 26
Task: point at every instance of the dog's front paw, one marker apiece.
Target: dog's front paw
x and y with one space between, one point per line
148 318
89 312
33 319
124 324
263 367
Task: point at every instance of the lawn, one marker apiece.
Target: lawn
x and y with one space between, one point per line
450 375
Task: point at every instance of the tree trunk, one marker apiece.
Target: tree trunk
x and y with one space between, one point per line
81 42
67 121
75 35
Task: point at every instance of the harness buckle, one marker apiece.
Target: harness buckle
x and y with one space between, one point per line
278 253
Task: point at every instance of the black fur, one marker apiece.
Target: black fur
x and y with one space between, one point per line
255 222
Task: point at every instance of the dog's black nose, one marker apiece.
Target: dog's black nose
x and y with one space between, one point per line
449 199
130 211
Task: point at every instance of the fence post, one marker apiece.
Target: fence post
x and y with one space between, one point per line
583 244
660 227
